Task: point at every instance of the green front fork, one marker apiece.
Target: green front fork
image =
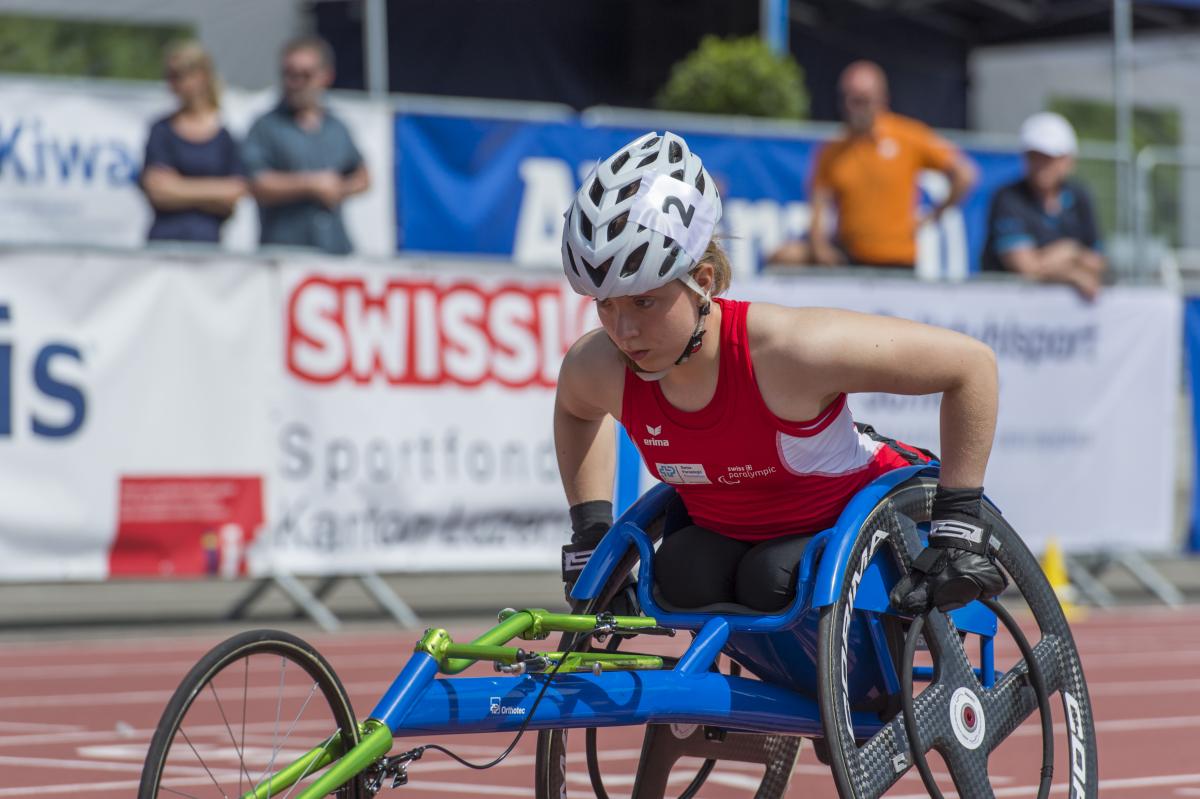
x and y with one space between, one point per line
376 741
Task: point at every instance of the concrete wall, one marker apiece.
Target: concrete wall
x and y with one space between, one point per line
244 36
1009 83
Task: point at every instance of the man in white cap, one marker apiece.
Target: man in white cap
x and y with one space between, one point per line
1042 226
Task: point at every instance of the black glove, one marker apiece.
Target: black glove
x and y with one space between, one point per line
957 567
589 522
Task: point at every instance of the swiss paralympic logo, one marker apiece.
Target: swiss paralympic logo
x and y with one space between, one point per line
421 332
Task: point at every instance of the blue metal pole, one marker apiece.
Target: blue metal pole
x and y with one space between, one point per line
773 24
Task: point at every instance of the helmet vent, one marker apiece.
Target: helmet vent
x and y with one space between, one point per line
596 192
700 181
619 162
651 143
585 226
677 174
669 261
634 261
629 190
617 225
571 258
668 242
650 159
674 153
598 273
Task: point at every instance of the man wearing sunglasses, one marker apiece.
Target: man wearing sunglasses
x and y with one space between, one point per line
301 159
869 175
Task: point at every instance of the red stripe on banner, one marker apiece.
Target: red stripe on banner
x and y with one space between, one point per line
176 526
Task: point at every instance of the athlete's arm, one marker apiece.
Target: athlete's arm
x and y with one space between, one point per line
822 352
589 389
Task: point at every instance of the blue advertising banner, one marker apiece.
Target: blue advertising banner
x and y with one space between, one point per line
499 187
1191 362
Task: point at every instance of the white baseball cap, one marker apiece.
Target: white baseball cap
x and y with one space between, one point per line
1050 134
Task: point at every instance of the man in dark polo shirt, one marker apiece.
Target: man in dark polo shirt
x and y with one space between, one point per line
1042 226
301 159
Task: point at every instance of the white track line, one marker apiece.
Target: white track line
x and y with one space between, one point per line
31 726
1143 687
1104 785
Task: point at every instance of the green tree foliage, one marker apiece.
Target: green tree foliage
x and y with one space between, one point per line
45 46
736 76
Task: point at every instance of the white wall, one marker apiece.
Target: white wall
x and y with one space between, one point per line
1009 83
244 36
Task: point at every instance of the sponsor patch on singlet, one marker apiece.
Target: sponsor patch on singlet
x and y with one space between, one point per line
682 473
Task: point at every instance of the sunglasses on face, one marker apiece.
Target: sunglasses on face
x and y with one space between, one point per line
173 74
299 75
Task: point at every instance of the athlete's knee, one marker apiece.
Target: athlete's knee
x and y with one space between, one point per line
694 567
766 577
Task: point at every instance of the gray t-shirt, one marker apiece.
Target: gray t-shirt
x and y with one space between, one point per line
277 143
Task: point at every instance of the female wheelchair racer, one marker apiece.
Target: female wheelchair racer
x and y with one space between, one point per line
713 392
814 554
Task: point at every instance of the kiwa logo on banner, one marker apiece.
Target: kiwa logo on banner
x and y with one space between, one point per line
35 153
421 332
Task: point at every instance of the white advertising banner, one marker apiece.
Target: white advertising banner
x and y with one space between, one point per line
197 416
415 428
71 154
1086 435
132 414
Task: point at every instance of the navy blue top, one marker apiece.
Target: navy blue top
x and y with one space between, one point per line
216 158
1018 219
276 143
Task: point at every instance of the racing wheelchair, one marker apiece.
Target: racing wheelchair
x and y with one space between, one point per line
836 666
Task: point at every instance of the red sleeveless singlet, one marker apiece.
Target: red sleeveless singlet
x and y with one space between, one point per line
741 470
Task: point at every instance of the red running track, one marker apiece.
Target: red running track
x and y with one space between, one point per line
75 718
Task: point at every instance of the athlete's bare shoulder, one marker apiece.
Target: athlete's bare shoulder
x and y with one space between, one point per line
592 377
791 336
792 350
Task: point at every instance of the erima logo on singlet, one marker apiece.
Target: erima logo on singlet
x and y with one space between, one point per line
653 440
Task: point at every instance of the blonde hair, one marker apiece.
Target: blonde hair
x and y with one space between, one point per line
190 54
722 270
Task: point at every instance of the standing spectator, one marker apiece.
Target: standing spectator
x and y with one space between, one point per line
301 159
1042 226
192 174
870 174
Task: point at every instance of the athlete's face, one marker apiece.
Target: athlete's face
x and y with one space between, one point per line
652 329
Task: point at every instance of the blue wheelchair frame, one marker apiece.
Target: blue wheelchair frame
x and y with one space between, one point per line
778 647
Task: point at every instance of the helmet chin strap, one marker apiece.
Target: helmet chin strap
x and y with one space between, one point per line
694 343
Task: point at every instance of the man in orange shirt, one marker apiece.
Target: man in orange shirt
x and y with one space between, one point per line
870 174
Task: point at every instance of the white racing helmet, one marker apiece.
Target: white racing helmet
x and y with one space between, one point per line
642 219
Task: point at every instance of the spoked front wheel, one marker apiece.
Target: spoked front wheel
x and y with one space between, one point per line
256 704
961 713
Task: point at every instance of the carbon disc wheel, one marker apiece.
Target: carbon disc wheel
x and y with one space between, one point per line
956 716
